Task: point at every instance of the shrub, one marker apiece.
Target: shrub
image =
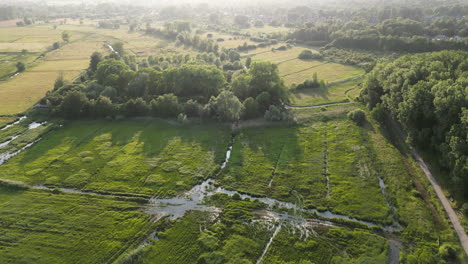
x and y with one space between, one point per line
358 116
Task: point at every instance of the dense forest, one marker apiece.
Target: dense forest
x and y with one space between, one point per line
428 95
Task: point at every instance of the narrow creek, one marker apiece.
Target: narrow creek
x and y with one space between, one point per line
14 123
8 155
176 207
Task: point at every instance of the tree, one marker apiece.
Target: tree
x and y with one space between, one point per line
226 106
24 52
248 61
119 47
56 45
73 104
166 105
20 66
136 107
96 57
251 108
306 55
109 71
273 114
59 82
66 36
103 107
234 55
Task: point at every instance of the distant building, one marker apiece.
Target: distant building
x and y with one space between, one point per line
457 38
441 37
41 107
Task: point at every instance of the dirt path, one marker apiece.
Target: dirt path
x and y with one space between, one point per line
316 106
445 202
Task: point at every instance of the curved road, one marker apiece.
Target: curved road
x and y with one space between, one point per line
445 202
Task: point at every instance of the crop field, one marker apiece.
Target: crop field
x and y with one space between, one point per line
291 164
294 70
331 94
149 158
43 227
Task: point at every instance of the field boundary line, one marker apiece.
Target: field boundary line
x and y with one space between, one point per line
315 66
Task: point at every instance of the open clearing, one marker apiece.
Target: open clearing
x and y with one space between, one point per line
326 95
294 70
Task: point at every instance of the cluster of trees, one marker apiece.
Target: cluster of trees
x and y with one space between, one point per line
309 55
314 83
428 95
111 88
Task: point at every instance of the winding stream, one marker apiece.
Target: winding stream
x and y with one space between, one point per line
14 123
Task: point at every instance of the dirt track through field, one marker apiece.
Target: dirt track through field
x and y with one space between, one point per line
440 194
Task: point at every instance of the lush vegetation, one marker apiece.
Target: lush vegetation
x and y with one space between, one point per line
148 158
427 95
53 227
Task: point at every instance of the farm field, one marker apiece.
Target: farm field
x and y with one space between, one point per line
45 227
294 70
137 43
24 90
331 94
150 158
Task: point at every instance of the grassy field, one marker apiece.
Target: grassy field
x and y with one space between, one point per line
140 157
328 245
31 38
42 227
294 70
5 120
332 94
238 234
8 62
289 163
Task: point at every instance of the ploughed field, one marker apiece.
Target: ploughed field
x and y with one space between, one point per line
323 190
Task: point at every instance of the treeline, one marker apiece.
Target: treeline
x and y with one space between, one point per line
396 34
428 95
193 90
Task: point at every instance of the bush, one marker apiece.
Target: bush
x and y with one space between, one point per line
358 116
20 66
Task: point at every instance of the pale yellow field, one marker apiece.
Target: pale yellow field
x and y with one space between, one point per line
294 70
266 29
24 90
333 94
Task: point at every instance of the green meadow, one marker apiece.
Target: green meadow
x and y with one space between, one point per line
46 227
151 158
291 164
